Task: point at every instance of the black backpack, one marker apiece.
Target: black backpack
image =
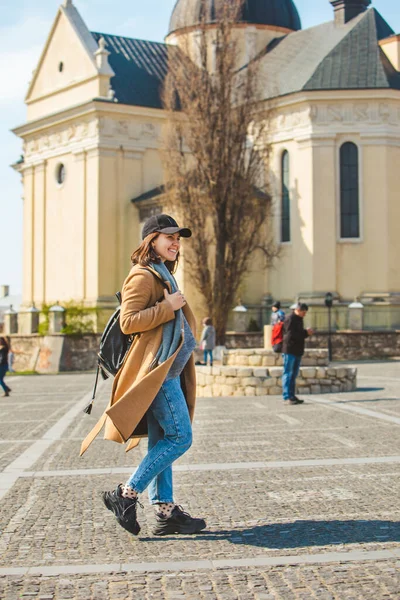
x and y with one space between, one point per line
114 346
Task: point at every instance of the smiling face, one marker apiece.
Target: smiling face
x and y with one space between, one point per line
167 246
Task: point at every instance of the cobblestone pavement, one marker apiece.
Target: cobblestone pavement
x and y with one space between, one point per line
301 502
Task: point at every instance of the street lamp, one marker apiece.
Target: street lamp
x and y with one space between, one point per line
328 304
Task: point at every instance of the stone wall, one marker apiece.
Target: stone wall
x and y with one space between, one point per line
262 381
347 345
266 358
359 345
258 372
244 340
54 353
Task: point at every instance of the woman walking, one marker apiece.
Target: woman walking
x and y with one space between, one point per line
4 351
207 341
154 392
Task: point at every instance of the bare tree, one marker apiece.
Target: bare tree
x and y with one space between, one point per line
217 159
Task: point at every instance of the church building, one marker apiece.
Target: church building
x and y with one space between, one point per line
92 169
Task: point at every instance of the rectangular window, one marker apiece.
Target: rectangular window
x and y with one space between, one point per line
349 192
285 199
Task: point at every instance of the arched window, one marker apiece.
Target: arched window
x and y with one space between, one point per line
349 192
285 200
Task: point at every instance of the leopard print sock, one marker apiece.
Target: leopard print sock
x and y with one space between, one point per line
164 510
128 492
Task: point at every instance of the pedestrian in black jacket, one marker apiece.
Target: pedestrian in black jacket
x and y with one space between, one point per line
294 336
4 350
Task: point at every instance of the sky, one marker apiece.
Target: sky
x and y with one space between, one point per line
24 26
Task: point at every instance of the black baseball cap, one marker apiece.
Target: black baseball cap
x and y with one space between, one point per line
164 224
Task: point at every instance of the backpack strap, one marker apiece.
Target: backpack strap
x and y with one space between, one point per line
89 407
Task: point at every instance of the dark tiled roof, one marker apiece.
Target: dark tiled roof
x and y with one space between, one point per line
140 68
154 193
330 57
325 57
356 61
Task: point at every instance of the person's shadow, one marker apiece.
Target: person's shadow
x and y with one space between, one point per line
300 534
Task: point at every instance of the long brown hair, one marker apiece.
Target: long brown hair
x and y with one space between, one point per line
145 254
3 342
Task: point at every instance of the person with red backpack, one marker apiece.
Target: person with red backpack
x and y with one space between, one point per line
277 320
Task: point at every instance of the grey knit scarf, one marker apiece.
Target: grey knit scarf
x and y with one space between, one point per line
172 330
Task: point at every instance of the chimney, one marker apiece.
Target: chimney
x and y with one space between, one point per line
4 291
345 10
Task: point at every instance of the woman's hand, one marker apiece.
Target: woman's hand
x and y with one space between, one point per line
176 300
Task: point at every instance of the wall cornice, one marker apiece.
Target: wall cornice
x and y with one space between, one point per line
96 107
91 132
324 119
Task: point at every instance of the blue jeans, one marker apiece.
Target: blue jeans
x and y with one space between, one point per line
3 371
210 354
291 367
170 436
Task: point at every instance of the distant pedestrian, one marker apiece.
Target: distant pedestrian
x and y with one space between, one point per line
277 320
11 357
207 340
4 350
294 336
277 313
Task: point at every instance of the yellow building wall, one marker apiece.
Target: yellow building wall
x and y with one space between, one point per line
64 99
292 271
393 183
39 228
92 239
324 217
152 169
28 247
64 231
107 225
130 186
362 266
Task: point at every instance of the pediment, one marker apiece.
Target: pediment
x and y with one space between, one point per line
67 58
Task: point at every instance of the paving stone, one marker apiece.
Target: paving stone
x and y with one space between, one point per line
252 513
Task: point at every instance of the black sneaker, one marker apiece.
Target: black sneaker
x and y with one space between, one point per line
178 522
124 509
291 402
298 400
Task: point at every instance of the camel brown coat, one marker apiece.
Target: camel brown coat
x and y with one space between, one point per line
144 310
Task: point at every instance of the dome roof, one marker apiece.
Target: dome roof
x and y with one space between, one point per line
277 13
